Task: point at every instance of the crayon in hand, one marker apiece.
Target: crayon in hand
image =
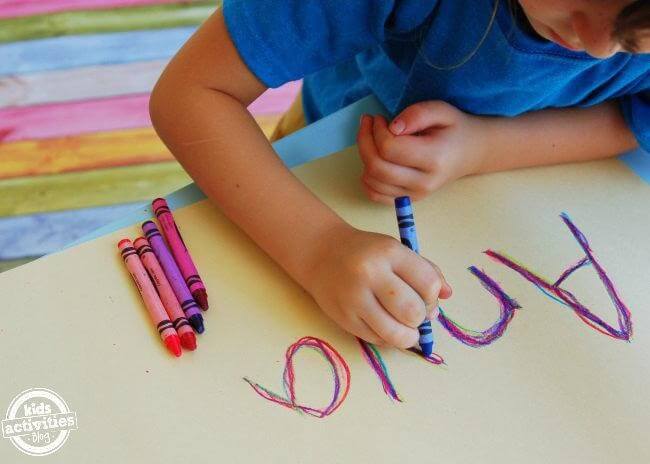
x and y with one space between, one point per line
166 260
151 300
180 252
166 293
408 236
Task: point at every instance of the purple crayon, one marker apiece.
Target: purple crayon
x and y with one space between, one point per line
191 309
179 250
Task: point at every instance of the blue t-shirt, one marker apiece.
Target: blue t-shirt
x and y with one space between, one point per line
406 51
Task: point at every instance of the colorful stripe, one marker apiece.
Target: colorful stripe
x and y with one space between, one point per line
83 152
14 263
373 357
276 101
90 151
340 379
67 119
44 233
14 8
73 51
100 187
104 21
108 114
77 84
100 82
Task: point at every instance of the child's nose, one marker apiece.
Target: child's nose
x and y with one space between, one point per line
595 36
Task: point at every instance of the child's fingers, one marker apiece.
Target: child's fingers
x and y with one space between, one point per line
411 180
408 179
368 155
432 312
369 335
424 115
425 278
392 191
352 323
362 330
365 128
365 141
446 290
409 151
400 300
377 167
385 325
375 196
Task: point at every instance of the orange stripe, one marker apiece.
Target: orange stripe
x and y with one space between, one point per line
90 151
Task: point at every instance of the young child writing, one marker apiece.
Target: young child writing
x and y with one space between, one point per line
475 86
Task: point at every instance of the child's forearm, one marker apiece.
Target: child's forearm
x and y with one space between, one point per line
555 136
235 166
199 111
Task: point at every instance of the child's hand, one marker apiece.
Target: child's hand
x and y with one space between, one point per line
375 287
426 146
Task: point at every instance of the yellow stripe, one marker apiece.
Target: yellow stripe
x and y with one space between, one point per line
90 151
7 265
25 195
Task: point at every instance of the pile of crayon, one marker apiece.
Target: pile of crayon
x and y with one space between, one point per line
167 279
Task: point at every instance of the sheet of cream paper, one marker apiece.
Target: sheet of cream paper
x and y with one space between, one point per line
551 389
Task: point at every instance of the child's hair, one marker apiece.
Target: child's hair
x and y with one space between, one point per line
633 24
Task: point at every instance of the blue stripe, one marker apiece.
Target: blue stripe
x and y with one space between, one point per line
75 51
639 162
40 234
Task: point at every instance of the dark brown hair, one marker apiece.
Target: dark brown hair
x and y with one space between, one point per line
633 24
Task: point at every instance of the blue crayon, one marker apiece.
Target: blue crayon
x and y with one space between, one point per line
408 236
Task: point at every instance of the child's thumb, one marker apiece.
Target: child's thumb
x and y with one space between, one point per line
423 115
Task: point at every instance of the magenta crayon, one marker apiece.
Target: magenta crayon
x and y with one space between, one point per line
151 299
166 293
166 260
180 252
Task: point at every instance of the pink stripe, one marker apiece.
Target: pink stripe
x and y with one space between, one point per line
11 8
65 119
125 112
275 101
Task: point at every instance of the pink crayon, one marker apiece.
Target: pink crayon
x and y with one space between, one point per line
151 300
167 296
180 252
173 274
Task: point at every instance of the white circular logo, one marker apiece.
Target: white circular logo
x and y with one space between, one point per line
38 422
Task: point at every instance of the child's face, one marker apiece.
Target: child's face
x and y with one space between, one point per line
585 25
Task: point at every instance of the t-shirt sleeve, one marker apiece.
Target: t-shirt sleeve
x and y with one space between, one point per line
636 111
284 40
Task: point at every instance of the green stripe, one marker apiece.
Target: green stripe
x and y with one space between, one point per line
101 187
6 265
103 21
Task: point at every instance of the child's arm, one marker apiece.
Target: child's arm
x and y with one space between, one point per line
451 144
556 136
369 283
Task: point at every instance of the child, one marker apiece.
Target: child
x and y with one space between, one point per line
477 86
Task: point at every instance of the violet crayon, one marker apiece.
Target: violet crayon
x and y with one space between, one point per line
166 260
